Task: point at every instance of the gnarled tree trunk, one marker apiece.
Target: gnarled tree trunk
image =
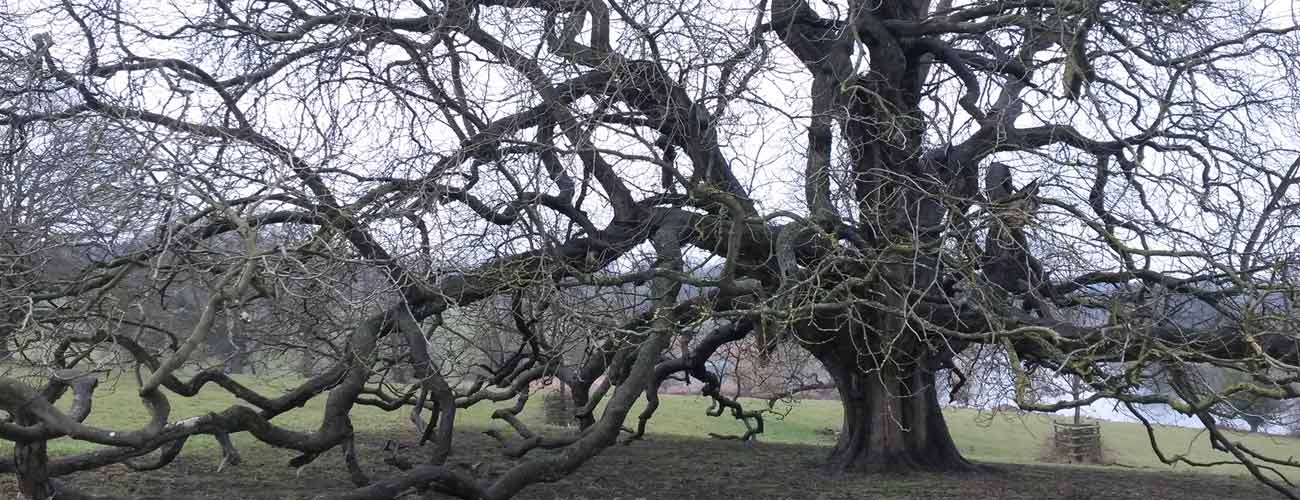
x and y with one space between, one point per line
892 418
31 462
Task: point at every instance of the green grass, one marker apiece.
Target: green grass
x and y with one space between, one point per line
981 436
999 438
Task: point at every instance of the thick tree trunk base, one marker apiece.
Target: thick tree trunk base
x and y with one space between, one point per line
892 422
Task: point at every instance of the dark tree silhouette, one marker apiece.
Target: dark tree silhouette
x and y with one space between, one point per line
635 185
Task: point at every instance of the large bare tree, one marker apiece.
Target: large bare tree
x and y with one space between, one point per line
635 185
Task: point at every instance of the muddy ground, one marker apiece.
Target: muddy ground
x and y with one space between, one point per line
672 469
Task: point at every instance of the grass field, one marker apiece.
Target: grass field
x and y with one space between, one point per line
688 465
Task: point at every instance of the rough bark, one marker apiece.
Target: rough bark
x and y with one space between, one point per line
893 423
31 462
892 419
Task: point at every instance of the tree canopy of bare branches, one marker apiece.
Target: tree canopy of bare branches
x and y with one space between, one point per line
491 194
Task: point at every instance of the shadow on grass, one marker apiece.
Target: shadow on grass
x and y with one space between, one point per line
670 467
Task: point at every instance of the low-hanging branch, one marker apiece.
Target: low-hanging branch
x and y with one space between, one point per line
440 207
